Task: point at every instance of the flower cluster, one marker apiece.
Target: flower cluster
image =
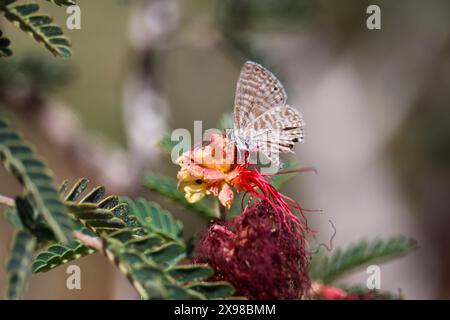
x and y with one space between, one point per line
262 250
255 254
212 170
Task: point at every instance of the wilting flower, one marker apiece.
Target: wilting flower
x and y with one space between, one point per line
254 253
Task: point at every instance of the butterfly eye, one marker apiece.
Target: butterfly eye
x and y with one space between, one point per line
198 181
295 140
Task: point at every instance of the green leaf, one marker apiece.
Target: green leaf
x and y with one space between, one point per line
166 144
94 215
149 263
76 190
148 277
39 26
167 254
12 217
177 292
144 275
63 2
58 254
140 238
329 269
5 51
154 219
20 159
32 221
18 266
213 290
168 187
191 272
99 215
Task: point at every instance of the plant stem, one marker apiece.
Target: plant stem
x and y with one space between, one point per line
221 211
92 242
217 209
7 201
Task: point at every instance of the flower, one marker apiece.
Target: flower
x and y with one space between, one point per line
262 250
211 170
208 171
254 253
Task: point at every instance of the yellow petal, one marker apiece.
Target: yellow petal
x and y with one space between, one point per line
190 173
194 197
194 188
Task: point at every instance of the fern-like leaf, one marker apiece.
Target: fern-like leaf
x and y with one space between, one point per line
213 290
148 249
94 215
154 219
38 26
58 254
146 276
141 239
150 266
168 187
5 51
18 266
32 221
191 272
329 269
12 217
99 215
20 159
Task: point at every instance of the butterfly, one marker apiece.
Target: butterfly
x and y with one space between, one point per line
262 120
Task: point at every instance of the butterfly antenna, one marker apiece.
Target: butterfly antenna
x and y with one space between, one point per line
300 170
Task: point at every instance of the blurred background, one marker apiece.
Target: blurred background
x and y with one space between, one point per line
376 104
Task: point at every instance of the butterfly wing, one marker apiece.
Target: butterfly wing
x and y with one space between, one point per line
257 91
276 131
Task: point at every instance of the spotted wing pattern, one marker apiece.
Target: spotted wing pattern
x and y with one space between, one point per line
262 120
257 91
276 131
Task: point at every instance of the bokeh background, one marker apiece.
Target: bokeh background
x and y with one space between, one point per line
376 104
